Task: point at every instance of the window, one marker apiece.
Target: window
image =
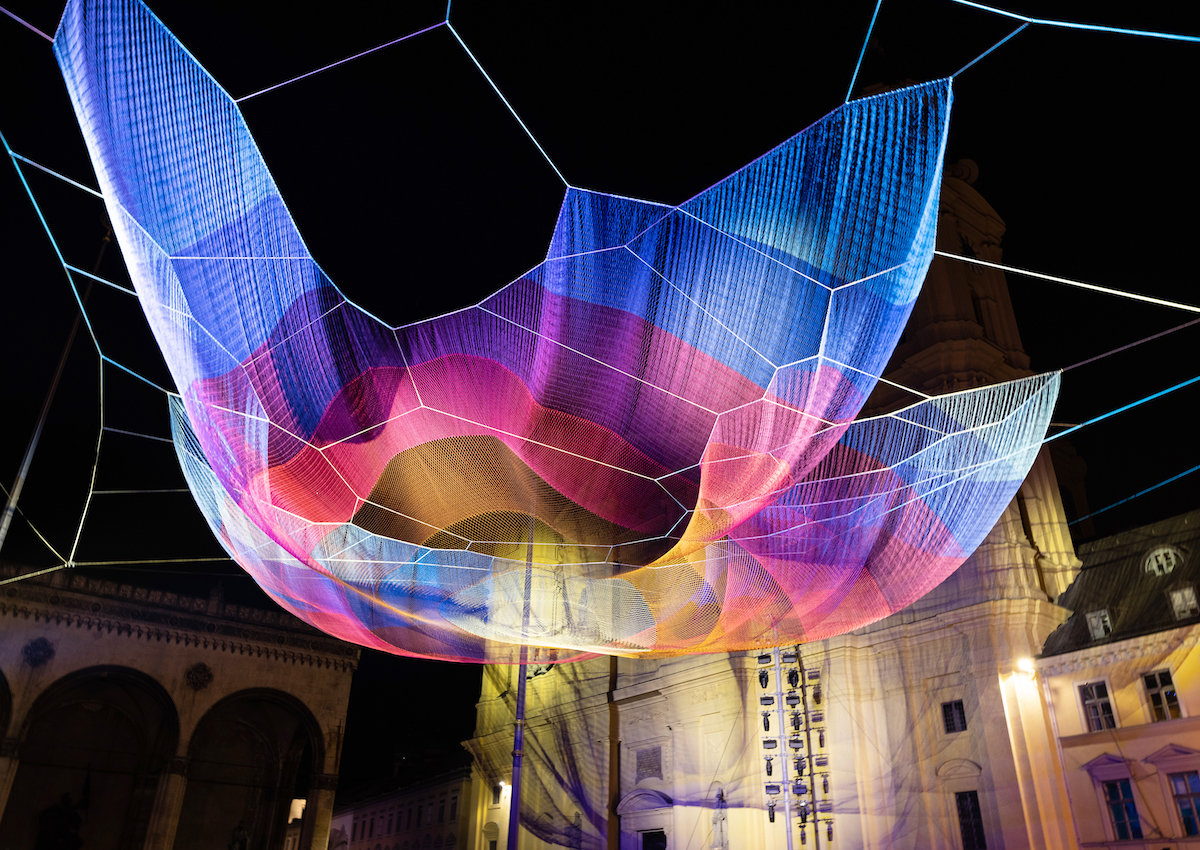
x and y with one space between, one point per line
408 822
1118 798
354 832
371 828
1162 560
1096 706
495 795
954 717
1184 604
442 812
1160 691
970 820
1099 624
492 844
1186 789
389 829
453 808
419 813
654 839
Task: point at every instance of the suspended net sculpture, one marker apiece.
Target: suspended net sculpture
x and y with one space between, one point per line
645 445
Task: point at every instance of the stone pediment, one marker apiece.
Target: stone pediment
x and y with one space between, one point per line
958 768
643 800
1107 766
1171 753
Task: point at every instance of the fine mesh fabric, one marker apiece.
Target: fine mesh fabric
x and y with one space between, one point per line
647 444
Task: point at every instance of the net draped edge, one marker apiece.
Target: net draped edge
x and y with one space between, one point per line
647 444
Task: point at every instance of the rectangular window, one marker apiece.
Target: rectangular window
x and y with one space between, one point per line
1160 690
389 832
419 813
1099 624
1118 797
495 795
970 820
492 844
354 832
371 828
453 808
654 839
1186 789
954 717
1096 706
408 821
1184 604
442 812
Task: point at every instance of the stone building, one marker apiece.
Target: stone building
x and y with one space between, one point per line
1121 679
916 731
134 718
432 812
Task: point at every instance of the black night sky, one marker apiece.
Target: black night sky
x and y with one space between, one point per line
418 193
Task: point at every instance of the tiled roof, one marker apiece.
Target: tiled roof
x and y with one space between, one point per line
1114 578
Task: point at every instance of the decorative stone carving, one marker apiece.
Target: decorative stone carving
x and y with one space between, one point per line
958 769
649 763
37 652
643 800
706 694
199 676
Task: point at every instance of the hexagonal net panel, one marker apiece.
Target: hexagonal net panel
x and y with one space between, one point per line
647 444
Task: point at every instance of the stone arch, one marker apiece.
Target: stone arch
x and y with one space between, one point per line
248 757
91 753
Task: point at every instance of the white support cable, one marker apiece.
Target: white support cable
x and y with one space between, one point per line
1162 302
54 173
500 94
32 28
1049 22
33 574
359 55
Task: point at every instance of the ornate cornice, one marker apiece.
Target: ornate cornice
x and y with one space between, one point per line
1130 649
140 614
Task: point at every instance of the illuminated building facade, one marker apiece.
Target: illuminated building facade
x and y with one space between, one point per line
1121 681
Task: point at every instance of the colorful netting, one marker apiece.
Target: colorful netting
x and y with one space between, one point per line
646 444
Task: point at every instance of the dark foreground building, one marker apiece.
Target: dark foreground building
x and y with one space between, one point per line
133 718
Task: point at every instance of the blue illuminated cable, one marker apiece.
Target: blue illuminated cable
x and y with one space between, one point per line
863 52
1135 495
67 267
1123 408
990 49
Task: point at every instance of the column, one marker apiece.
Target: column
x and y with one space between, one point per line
8 769
318 812
168 803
